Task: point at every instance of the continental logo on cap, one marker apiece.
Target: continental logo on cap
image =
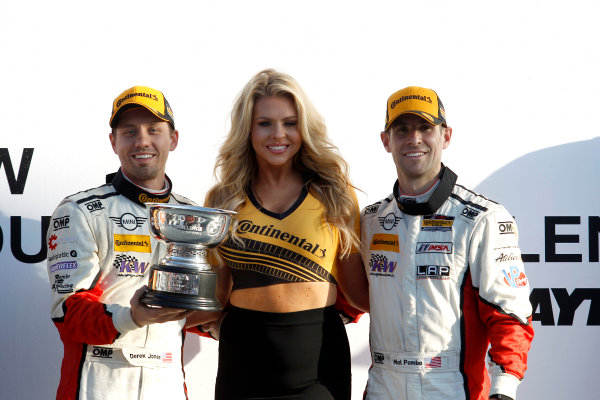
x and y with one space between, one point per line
139 243
410 97
144 198
130 95
385 242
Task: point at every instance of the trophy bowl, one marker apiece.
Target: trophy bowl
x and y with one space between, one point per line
184 278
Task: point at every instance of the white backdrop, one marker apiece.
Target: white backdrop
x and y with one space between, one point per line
518 79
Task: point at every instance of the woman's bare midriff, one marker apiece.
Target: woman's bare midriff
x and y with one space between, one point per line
286 297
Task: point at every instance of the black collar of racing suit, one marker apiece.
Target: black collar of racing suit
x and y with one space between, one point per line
438 197
136 193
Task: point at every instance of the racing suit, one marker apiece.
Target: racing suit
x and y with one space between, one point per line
99 253
446 280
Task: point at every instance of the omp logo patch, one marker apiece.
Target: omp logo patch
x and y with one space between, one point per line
372 209
506 228
94 205
139 243
378 358
102 352
434 247
60 223
385 242
469 213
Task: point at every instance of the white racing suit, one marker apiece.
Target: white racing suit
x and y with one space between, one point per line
446 280
99 253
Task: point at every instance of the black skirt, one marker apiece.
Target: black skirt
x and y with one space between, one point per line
297 355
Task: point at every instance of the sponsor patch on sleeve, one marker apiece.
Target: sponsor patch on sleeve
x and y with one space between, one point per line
515 278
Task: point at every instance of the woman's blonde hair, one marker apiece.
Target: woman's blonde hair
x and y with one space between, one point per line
328 180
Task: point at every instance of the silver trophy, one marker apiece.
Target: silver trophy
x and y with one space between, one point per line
184 278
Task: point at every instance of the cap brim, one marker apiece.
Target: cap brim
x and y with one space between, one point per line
426 116
115 118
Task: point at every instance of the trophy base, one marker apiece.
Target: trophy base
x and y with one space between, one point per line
165 299
182 287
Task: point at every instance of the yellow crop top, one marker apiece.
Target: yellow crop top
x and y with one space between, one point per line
296 246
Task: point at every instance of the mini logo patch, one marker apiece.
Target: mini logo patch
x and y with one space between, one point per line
389 222
128 221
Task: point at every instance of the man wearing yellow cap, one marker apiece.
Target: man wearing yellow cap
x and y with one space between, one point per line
99 258
445 274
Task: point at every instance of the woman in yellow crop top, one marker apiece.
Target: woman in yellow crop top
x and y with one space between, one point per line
297 228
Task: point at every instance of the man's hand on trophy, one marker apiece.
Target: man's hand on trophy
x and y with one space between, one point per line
145 315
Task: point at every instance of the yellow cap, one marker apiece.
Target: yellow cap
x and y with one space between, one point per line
142 96
415 100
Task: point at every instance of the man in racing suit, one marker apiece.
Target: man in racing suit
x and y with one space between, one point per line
445 274
99 256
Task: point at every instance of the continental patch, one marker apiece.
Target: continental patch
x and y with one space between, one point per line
139 243
439 223
385 242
